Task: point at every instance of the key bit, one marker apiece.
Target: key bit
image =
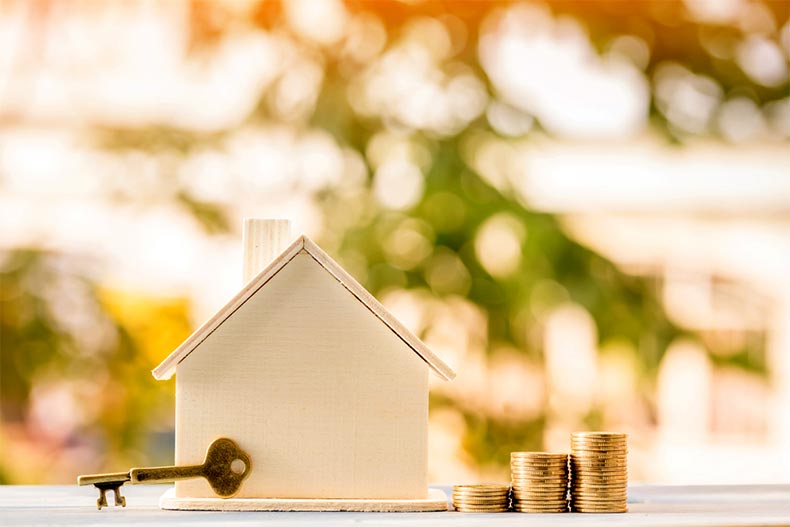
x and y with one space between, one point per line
105 482
225 468
115 488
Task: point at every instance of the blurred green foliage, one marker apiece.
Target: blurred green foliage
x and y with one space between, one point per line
111 347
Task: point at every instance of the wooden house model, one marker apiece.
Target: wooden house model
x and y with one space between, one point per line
311 376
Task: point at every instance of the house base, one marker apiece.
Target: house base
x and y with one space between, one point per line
436 501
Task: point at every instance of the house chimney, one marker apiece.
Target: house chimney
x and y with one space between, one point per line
263 241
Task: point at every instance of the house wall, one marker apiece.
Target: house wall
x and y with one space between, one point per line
326 399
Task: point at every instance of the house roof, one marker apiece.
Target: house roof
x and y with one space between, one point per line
166 369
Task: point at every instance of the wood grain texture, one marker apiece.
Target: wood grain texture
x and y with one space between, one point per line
650 506
434 502
168 366
327 400
262 242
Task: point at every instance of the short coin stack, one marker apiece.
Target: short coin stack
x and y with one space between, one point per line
540 481
599 471
487 497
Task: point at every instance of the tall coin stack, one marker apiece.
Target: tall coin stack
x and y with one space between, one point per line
486 497
599 472
539 481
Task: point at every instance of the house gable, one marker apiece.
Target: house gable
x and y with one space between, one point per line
303 244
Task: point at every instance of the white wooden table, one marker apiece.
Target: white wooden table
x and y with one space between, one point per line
650 506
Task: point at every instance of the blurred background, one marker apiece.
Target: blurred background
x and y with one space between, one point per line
583 207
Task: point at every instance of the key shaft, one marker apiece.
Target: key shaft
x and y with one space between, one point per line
95 479
165 474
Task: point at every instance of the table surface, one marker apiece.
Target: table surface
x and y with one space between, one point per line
649 506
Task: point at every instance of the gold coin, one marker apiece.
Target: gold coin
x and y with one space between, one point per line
575 447
598 482
598 456
599 443
603 464
549 462
589 453
482 502
533 498
519 484
540 510
608 510
592 481
599 506
556 472
590 475
605 471
537 488
540 478
600 473
597 448
579 489
614 496
538 455
540 496
593 503
540 505
560 498
591 496
599 440
611 464
540 493
488 496
482 492
599 435
549 510
480 496
477 501
546 505
587 498
524 459
582 484
598 489
467 508
540 471
481 487
539 483
537 507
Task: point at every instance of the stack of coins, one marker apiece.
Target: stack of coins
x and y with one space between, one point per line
486 497
599 471
540 481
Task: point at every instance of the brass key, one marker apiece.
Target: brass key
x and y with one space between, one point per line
225 468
